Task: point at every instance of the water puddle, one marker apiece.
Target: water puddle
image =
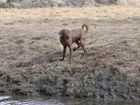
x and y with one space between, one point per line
44 100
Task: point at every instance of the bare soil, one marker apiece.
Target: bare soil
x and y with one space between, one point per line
30 52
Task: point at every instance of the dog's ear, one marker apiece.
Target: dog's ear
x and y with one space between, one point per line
66 32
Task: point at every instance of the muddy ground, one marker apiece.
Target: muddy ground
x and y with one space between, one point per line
30 53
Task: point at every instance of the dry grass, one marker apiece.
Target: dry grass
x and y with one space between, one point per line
31 35
45 14
30 51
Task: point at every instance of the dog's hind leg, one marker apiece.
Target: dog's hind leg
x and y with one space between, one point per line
79 45
83 46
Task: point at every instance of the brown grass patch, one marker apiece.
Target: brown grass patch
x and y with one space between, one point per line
32 34
49 14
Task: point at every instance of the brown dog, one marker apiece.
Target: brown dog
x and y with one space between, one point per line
67 38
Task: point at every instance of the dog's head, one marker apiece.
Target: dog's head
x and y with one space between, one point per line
64 34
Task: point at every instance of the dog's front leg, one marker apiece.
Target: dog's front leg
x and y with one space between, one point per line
70 48
64 52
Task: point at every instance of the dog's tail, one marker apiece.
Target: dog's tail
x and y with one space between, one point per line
85 25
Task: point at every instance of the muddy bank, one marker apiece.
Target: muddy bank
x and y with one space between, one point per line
30 54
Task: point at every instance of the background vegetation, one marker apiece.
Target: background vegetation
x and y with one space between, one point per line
7 4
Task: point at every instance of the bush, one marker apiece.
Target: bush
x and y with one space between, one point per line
7 4
19 1
4 5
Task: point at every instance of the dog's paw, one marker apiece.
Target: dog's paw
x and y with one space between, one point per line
61 59
74 49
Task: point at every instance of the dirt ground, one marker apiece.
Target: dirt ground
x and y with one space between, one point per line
30 52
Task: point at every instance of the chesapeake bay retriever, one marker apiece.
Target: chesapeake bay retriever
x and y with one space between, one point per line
68 37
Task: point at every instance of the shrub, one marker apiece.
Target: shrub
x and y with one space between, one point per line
18 1
4 5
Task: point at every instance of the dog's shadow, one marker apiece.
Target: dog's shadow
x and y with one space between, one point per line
45 57
49 57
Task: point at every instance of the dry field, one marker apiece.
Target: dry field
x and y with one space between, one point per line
29 41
